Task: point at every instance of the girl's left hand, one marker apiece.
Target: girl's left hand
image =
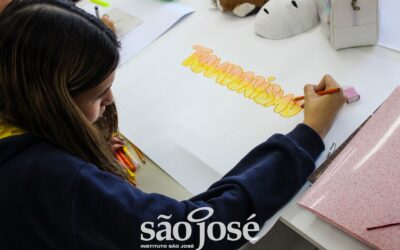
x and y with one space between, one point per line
108 22
116 143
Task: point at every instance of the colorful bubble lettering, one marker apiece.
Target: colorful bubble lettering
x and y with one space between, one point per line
262 90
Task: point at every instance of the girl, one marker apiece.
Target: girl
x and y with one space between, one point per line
60 186
3 4
105 18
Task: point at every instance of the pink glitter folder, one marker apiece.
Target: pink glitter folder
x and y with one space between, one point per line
361 187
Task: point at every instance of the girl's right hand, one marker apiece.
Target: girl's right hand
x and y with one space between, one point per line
320 110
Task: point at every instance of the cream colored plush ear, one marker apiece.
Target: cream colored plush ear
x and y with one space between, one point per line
244 9
217 3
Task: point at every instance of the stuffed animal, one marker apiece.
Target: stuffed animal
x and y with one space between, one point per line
280 19
241 8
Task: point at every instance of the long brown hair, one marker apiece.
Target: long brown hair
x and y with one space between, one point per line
51 51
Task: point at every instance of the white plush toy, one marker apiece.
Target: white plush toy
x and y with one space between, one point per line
280 19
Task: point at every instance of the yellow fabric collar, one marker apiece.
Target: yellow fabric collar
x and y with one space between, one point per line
7 130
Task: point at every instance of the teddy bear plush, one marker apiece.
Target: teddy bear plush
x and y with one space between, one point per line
241 8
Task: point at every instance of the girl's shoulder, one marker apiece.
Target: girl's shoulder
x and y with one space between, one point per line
29 154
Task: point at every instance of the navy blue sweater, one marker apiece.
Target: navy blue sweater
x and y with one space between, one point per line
53 200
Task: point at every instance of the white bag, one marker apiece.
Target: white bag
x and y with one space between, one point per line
350 23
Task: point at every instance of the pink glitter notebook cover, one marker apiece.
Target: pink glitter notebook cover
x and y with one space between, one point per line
361 187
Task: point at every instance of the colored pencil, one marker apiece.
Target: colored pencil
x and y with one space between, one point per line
137 150
119 158
129 156
323 92
139 153
127 162
131 176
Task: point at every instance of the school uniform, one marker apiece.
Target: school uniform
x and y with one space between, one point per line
51 199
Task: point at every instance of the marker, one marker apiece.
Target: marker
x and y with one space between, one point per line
100 2
96 10
323 92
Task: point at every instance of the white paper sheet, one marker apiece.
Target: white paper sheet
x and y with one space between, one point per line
153 26
197 130
389 35
145 21
123 22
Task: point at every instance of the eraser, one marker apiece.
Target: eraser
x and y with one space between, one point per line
351 95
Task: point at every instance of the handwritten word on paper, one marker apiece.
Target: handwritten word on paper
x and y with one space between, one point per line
257 88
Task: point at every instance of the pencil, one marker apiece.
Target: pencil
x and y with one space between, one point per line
119 158
131 176
131 164
127 162
323 92
137 150
139 153
96 10
129 156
